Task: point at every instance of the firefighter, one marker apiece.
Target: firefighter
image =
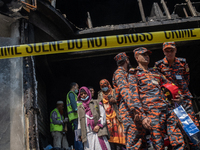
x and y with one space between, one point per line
72 105
177 71
148 82
133 130
56 126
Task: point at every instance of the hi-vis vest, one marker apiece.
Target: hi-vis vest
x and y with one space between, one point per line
71 114
56 127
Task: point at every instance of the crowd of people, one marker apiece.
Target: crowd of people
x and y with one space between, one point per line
140 103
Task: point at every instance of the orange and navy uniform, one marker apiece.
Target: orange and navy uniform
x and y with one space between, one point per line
134 132
148 82
178 73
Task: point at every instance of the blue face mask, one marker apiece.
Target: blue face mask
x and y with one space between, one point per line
105 89
76 91
84 99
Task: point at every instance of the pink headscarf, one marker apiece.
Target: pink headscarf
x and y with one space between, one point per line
89 113
87 108
86 103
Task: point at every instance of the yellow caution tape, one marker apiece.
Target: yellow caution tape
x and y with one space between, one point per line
103 42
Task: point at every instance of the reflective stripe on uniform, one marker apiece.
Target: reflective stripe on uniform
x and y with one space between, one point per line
70 112
56 127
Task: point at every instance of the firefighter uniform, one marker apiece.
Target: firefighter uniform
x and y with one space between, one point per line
148 82
178 73
134 132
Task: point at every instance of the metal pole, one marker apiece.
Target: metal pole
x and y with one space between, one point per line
89 21
192 10
141 10
185 12
166 9
53 3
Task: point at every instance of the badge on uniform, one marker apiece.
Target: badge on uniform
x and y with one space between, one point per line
157 77
187 69
154 81
181 68
142 77
165 69
178 77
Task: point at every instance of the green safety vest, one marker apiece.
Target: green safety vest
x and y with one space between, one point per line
56 127
71 114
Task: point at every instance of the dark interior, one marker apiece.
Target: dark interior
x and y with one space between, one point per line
89 71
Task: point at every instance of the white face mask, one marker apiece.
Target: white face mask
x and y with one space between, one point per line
84 99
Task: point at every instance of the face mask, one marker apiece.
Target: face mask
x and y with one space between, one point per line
105 89
84 99
76 91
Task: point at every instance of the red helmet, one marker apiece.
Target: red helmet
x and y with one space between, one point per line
173 89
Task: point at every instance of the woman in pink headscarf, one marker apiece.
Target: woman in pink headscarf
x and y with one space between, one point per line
92 122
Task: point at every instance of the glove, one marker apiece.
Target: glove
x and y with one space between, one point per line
65 120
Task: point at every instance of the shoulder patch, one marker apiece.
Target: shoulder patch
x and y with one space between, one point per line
155 67
132 70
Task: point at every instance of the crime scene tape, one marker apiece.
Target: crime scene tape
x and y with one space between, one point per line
104 42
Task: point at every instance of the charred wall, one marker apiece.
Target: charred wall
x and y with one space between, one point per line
43 117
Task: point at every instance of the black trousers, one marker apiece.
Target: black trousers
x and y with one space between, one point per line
115 146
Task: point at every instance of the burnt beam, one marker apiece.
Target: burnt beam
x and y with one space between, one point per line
30 97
